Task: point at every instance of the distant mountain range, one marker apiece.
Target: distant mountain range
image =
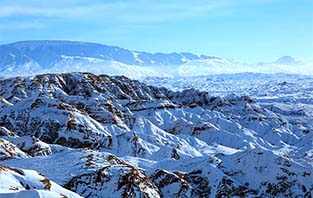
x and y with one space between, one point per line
48 53
33 57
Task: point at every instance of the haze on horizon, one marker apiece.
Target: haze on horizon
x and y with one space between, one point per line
255 30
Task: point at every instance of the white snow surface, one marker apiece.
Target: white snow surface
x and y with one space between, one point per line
23 183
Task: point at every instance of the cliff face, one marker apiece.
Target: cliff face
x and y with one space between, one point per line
100 135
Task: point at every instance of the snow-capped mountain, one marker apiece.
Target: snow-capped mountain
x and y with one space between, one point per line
47 53
286 60
104 136
60 56
35 57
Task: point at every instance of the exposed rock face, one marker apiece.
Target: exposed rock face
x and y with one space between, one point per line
117 137
131 182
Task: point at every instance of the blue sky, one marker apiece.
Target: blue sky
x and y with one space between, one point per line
247 30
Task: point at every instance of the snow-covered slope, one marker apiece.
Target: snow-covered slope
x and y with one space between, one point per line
37 57
20 183
105 136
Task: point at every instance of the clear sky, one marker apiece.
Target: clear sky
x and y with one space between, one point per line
247 30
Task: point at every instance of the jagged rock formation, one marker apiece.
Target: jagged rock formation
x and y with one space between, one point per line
118 137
